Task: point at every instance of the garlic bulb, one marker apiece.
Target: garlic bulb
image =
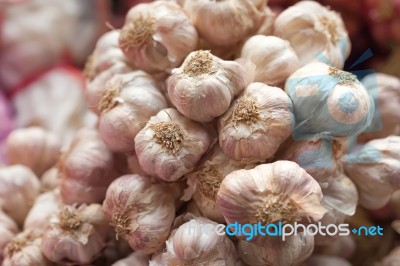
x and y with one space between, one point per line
196 243
141 212
33 147
293 251
270 193
328 101
315 32
318 260
86 169
256 123
275 60
170 145
135 258
50 180
204 86
127 104
19 188
375 169
76 235
227 22
157 36
385 90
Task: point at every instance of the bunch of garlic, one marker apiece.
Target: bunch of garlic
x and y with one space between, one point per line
86 169
33 147
157 36
8 229
328 102
127 104
256 123
141 212
19 188
315 32
75 235
203 87
170 145
50 180
275 60
375 169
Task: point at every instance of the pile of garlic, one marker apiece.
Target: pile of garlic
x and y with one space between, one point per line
203 122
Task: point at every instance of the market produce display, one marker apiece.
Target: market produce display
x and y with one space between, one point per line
197 132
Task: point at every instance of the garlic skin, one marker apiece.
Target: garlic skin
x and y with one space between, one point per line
375 169
86 169
270 193
76 235
256 124
227 22
157 36
141 212
33 147
135 258
203 87
126 106
275 60
328 102
170 145
315 32
50 180
19 188
293 251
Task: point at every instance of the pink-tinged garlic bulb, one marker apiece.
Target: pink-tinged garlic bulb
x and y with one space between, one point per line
76 235
392 259
293 251
126 106
25 249
141 212
136 259
157 36
275 60
205 85
375 169
270 193
315 32
46 205
8 229
256 124
50 180
19 188
170 145
385 90
196 243
318 260
228 22
86 169
33 147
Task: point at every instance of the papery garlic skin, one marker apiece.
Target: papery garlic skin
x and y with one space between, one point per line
256 124
127 104
76 235
33 147
227 22
275 60
293 251
375 169
135 258
50 180
203 87
157 36
328 101
315 32
19 188
141 212
170 145
270 193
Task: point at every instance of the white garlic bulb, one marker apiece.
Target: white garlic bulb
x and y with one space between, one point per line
50 180
157 36
315 32
19 188
141 212
135 259
204 86
328 101
33 147
170 145
76 235
126 106
275 60
256 124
